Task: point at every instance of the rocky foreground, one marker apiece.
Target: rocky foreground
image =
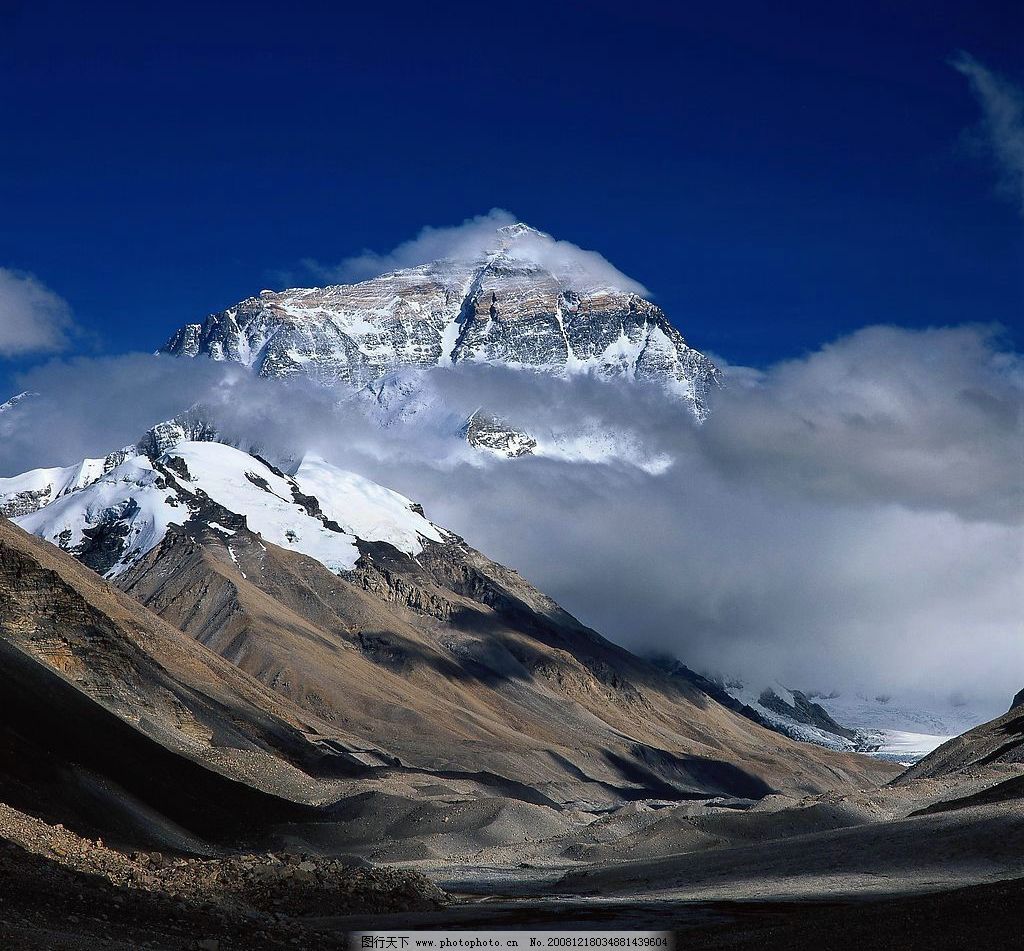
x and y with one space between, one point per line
60 890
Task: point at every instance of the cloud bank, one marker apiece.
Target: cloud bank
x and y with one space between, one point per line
471 241
1002 105
33 319
851 517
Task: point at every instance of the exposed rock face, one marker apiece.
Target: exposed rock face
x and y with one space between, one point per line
998 741
499 307
483 431
804 710
95 689
190 426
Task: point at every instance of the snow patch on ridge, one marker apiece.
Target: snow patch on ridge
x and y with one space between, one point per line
365 509
113 516
22 494
133 496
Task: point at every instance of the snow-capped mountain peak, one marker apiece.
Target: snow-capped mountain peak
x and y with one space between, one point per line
518 229
15 400
520 300
112 512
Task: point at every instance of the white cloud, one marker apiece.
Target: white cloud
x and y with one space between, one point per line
850 517
930 420
1002 105
33 319
471 241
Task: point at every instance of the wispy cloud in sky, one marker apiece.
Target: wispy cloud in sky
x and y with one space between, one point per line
1002 104
33 319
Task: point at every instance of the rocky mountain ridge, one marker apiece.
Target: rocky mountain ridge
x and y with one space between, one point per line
506 305
110 513
341 596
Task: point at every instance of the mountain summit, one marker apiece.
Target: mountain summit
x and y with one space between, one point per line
519 299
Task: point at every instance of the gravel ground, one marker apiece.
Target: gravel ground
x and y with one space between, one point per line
59 890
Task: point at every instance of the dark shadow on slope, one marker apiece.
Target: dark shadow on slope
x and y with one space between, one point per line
1000 792
665 775
478 663
59 746
1014 728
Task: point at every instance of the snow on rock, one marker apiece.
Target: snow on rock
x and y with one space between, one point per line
110 516
505 305
22 494
491 434
365 509
113 521
267 499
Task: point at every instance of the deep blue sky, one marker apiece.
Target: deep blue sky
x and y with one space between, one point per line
777 174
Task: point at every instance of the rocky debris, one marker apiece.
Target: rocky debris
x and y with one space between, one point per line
55 880
300 885
46 905
1018 700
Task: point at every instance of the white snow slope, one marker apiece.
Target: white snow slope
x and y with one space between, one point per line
28 491
130 507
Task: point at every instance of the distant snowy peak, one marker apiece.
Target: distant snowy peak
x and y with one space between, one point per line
15 400
518 304
25 493
900 732
112 512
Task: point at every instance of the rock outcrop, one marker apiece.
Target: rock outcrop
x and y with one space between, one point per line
507 306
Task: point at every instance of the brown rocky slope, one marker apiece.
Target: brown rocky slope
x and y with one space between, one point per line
449 663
